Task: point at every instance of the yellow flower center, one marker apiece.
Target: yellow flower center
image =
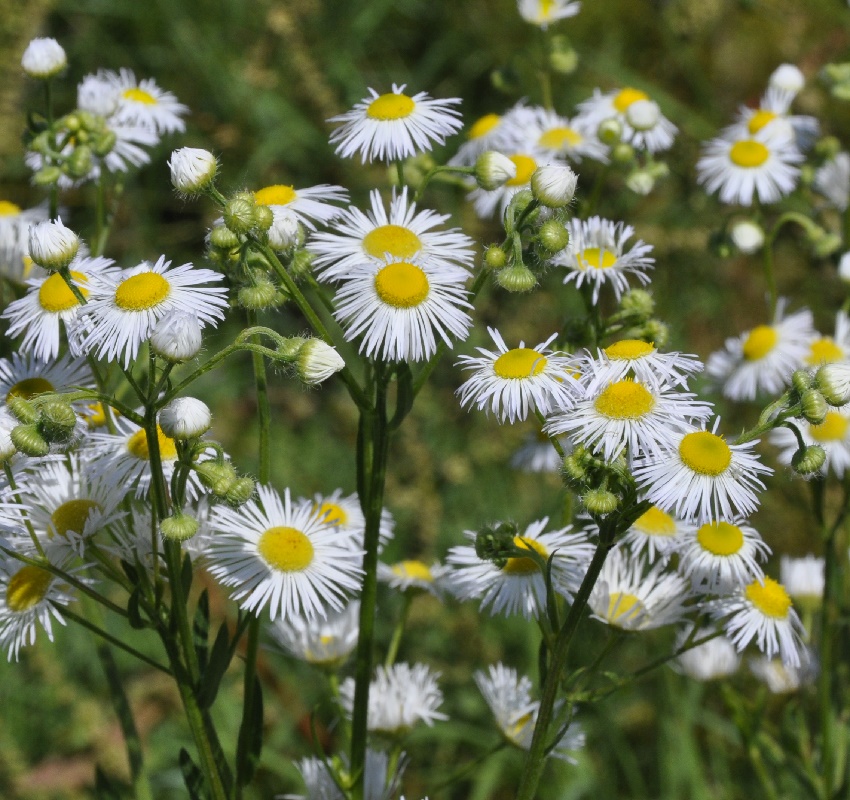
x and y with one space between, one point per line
27 587
285 549
748 153
525 166
139 96
484 125
825 351
142 291
596 258
759 120
28 265
759 342
524 565
390 106
629 350
55 295
705 453
832 429
402 285
624 607
332 514
656 522
71 517
277 195
414 570
95 415
9 209
396 240
624 400
514 731
29 388
137 444
770 598
720 538
560 138
521 362
628 96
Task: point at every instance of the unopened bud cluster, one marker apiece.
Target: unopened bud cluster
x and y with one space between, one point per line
44 422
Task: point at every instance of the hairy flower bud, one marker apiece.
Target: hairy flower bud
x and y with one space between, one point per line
516 278
179 527
44 58
600 501
185 418
29 441
808 460
58 422
177 337
193 170
833 382
554 186
813 406
553 235
317 361
218 478
239 213
495 257
493 170
240 492
23 410
52 246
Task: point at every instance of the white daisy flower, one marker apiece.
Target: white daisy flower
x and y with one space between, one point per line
315 204
401 233
512 383
99 93
489 132
722 555
543 131
655 531
832 180
762 611
25 376
508 695
124 307
831 349
538 454
412 575
15 263
325 643
379 782
717 658
131 539
772 117
518 586
491 203
629 597
400 696
803 579
402 307
278 554
761 166
145 104
764 358
49 305
346 516
703 477
394 126
782 678
597 254
833 435
639 360
544 12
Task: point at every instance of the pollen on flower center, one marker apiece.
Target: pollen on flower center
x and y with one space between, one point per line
760 119
720 538
285 549
138 445
832 429
332 514
628 96
705 453
139 96
55 295
748 153
402 285
656 522
824 351
596 258
624 607
524 565
413 569
525 166
558 138
72 516
396 240
277 195
27 587
521 362
141 292
9 209
29 388
770 598
390 106
759 342
629 349
484 125
624 400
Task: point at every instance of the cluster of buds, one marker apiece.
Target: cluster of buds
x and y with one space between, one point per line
603 486
222 480
642 173
837 79
45 420
498 543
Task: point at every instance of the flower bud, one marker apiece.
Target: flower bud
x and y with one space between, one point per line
179 527
554 186
52 246
240 492
747 236
262 295
193 170
813 406
58 422
317 361
640 181
80 162
495 257
493 170
844 268
788 78
185 418
638 301
263 217
218 478
47 176
553 235
516 207
573 471
239 213
223 238
600 501
833 382
610 131
177 337
643 115
516 278
23 410
655 331
302 264
493 542
622 153
29 441
827 147
802 380
44 58
285 231
808 460
563 58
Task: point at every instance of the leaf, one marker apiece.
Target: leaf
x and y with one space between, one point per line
186 577
130 571
219 661
404 394
248 754
192 776
134 613
201 631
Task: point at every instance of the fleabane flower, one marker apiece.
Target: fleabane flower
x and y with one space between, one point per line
710 661
544 12
192 170
541 130
803 578
185 418
44 58
26 376
831 349
177 337
394 126
513 382
144 103
324 643
412 575
278 554
15 222
634 358
311 206
598 254
703 477
343 512
782 678
52 245
495 202
655 531
401 308
380 780
317 361
554 185
123 308
764 358
832 180
833 435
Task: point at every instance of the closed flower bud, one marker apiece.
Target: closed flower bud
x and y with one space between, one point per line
23 410
495 257
185 418
29 441
493 170
177 337
317 361
562 55
44 58
193 170
553 235
58 422
302 264
808 460
747 236
285 231
179 527
104 143
833 382
263 217
52 246
516 208
640 181
844 268
655 331
601 501
573 471
239 213
262 295
638 301
610 131
218 478
516 278
643 115
80 162
788 78
223 238
554 186
813 406
47 176
240 492
802 380
622 153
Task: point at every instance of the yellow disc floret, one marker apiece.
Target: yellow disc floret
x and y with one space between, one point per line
137 444
624 607
759 342
625 97
825 351
9 209
141 292
27 588
394 240
521 362
332 514
402 285
759 120
413 570
139 96
629 350
55 295
483 125
561 138
276 195
390 106
770 598
720 538
656 522
748 153
705 453
525 166
596 258
524 565
71 516
285 549
624 400
29 388
832 429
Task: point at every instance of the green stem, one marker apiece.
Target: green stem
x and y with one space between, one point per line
102 217
12 483
261 385
399 166
398 632
249 708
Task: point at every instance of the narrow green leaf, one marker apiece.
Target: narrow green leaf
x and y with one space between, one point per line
192 777
201 631
134 613
217 665
246 766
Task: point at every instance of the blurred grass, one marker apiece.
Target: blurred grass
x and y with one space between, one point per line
262 78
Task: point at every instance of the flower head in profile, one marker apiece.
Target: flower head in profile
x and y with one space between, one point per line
544 12
15 222
395 125
414 576
144 103
710 661
833 435
310 206
657 533
325 643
